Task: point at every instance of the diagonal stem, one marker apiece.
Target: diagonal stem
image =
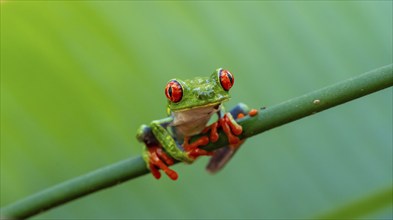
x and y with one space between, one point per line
312 103
269 118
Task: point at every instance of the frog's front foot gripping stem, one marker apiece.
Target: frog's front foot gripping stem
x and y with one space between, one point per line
193 150
154 155
229 125
158 159
161 150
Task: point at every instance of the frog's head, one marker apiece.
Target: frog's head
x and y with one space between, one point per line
199 92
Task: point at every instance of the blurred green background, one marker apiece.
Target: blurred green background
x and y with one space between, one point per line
79 77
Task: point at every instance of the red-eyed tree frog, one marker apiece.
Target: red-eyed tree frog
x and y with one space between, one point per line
191 104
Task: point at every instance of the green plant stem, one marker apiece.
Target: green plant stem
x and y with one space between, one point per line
312 103
266 119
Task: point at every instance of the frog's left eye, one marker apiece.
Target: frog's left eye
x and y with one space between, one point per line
226 79
174 91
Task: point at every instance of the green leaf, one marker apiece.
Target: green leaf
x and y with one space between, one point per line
79 77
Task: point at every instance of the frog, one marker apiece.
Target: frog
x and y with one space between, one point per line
191 104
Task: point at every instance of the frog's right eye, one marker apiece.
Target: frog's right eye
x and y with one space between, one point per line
174 91
226 79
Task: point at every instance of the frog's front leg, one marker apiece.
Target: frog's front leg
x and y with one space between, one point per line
232 129
162 148
187 152
229 125
154 155
167 141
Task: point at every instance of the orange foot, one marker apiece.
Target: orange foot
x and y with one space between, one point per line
193 149
253 112
158 159
230 127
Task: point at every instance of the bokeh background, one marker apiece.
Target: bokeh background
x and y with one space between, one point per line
79 77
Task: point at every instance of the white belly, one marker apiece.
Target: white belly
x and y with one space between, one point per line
193 121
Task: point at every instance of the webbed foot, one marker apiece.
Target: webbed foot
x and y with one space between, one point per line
232 130
193 150
230 127
158 159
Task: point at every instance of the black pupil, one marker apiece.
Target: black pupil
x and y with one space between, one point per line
230 78
170 91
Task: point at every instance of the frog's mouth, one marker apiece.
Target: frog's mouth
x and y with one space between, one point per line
215 105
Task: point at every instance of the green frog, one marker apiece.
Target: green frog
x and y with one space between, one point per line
191 104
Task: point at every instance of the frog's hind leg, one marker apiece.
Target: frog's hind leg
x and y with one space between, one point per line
223 155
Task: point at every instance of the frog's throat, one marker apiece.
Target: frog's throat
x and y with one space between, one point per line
201 106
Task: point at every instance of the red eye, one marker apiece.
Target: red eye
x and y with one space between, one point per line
226 79
174 91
